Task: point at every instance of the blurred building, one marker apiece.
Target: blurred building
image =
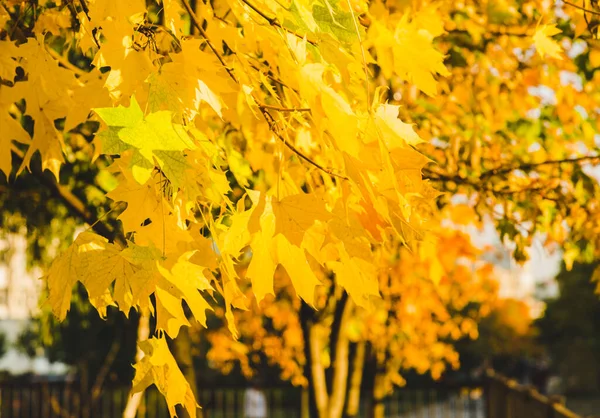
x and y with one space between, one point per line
532 281
20 290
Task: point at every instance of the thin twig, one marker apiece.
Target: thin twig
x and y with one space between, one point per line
273 22
267 116
274 129
593 12
285 109
529 166
198 25
106 365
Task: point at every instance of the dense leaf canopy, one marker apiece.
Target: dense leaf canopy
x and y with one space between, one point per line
210 147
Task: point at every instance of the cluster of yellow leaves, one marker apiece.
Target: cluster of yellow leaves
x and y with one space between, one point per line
272 331
278 97
513 128
249 131
427 301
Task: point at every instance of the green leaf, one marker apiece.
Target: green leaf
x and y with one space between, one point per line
122 116
156 132
331 19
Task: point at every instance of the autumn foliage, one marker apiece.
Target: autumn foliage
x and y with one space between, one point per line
265 159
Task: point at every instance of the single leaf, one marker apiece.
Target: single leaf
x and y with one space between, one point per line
158 367
544 43
295 214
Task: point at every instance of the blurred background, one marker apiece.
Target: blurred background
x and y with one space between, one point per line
543 330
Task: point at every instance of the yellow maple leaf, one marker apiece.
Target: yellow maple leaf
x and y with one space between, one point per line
92 260
158 367
262 266
142 201
295 214
10 130
396 134
544 44
189 279
293 259
169 313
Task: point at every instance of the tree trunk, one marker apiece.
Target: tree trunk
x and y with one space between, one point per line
318 374
327 388
134 400
337 398
379 393
306 319
358 364
305 403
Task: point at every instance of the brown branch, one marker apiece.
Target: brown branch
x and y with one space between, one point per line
478 185
334 335
284 109
529 166
273 22
273 128
593 12
437 176
265 113
198 26
76 206
340 365
85 9
525 34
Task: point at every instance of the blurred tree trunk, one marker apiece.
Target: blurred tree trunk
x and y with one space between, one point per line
305 403
379 393
134 400
355 380
327 384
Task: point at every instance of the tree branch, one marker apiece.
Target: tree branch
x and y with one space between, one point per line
198 26
76 206
481 184
265 113
284 109
65 62
340 365
529 166
593 12
273 22
336 326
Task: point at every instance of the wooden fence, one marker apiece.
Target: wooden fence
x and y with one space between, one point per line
67 400
63 400
505 398
498 398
